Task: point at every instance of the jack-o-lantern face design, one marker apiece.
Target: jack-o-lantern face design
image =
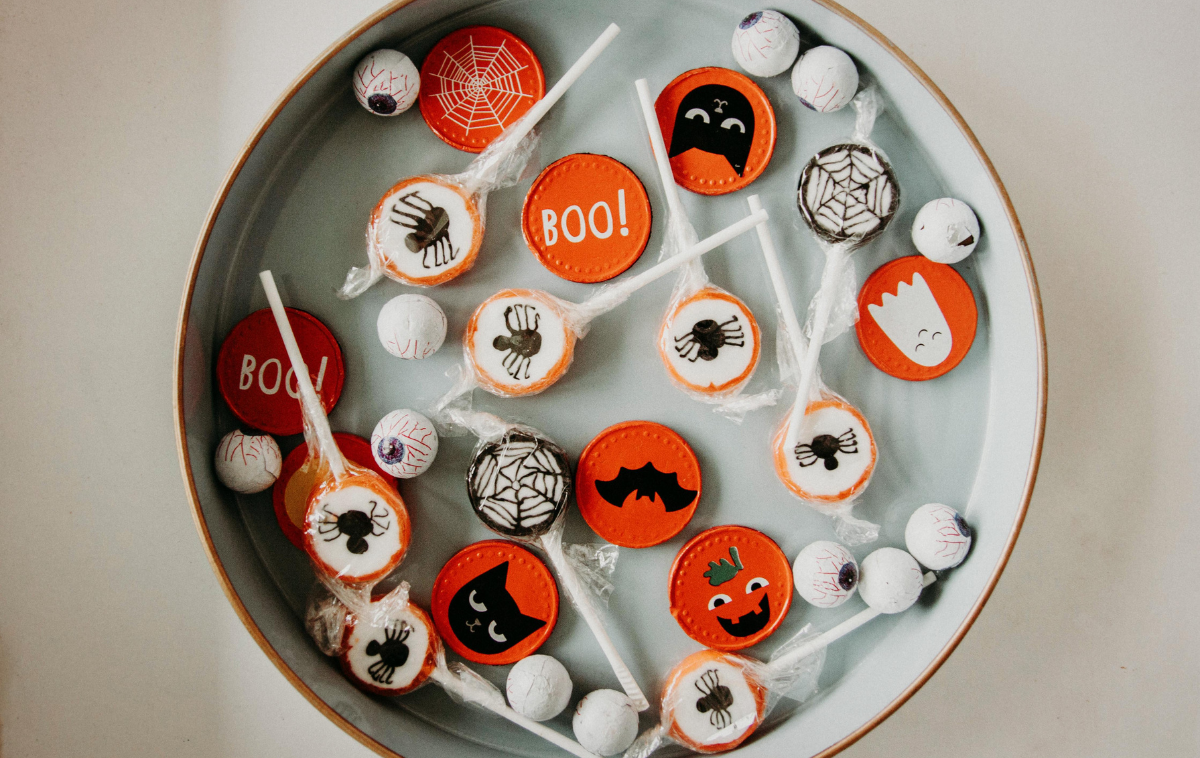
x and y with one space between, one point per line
730 587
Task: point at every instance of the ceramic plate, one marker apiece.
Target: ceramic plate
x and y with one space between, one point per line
298 199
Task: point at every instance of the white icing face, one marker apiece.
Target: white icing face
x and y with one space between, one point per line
825 79
404 443
390 656
247 463
832 455
411 326
710 344
426 230
891 580
825 574
355 532
914 322
765 43
386 82
714 704
520 343
945 230
937 536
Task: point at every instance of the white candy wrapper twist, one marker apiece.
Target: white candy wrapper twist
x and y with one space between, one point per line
458 207
709 317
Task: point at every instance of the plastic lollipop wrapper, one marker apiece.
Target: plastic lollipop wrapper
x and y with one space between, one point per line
427 229
520 341
713 701
356 526
709 341
389 646
824 451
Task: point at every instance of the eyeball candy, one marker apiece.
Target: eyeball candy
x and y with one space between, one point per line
765 43
937 536
386 82
890 581
404 443
825 79
712 701
710 343
394 656
411 326
356 529
518 343
247 463
605 722
825 574
538 687
945 230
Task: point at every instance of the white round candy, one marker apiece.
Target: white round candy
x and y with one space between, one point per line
825 574
937 536
605 722
386 82
825 79
539 687
945 230
404 443
765 43
246 463
411 326
890 580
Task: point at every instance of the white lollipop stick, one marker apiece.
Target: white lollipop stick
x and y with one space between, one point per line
835 263
552 544
658 145
782 296
453 684
541 107
785 662
310 404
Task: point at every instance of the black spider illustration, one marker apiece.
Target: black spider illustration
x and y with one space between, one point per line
707 337
430 229
714 697
826 447
392 652
356 525
523 340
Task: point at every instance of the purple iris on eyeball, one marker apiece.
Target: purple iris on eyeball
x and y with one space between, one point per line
847 576
750 20
963 529
382 103
391 450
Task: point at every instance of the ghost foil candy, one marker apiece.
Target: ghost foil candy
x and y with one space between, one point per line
356 527
426 230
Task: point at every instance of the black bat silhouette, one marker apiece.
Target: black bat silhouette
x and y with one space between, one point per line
648 482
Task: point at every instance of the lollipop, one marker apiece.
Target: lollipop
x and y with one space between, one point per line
713 701
519 341
427 229
519 484
356 526
389 647
709 340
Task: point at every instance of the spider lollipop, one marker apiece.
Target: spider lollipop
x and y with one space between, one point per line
519 484
709 340
388 646
427 229
356 526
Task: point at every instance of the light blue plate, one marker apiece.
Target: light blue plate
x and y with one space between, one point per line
297 202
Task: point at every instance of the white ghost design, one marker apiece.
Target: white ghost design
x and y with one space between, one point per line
914 323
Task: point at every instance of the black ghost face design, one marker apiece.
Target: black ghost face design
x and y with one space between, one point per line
715 119
485 617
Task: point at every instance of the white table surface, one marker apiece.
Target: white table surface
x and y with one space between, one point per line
118 120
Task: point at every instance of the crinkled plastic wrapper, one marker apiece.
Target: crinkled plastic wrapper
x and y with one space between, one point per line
714 701
427 229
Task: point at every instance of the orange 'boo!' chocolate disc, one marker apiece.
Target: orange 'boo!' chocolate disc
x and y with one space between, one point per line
586 218
475 82
637 484
494 602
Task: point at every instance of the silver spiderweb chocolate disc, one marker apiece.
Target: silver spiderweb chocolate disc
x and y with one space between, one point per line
519 485
848 193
